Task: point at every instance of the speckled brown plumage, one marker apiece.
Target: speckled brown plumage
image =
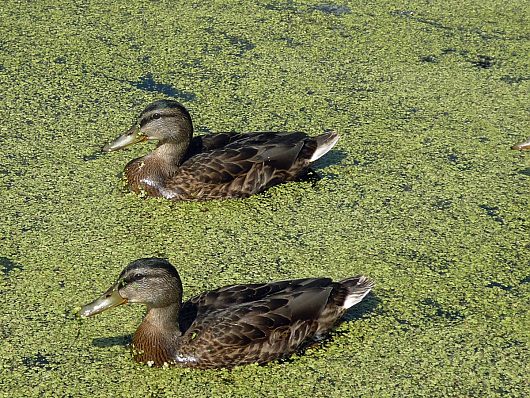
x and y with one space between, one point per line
229 326
213 166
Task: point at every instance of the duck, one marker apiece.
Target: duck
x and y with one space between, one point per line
229 326
522 145
212 166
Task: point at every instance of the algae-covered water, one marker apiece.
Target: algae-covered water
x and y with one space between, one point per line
422 192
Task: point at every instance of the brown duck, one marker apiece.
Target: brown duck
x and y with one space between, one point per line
232 325
212 166
522 145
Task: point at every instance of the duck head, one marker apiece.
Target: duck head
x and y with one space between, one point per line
150 281
162 120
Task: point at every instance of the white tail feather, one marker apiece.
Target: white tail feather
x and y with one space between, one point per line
324 148
363 287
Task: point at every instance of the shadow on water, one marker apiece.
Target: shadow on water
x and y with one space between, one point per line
482 61
369 304
525 172
37 361
240 43
433 307
93 156
493 212
333 9
147 83
326 8
499 285
514 79
310 176
8 266
102 342
333 157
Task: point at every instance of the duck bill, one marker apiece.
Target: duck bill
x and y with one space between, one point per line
111 298
132 136
522 145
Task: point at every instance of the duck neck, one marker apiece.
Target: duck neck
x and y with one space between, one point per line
156 338
164 318
171 152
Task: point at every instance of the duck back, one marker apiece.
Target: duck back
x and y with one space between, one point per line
239 165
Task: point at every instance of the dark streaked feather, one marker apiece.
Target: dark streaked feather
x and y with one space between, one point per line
229 296
243 167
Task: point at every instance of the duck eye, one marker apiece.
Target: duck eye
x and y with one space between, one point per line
138 277
156 116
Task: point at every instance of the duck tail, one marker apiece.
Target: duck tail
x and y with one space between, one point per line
358 287
324 143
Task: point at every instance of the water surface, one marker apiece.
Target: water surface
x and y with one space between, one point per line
422 192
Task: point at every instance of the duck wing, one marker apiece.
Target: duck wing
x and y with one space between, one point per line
243 167
226 297
209 142
277 149
259 331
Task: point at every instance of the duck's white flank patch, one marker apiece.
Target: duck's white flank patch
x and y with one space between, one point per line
148 181
185 358
166 193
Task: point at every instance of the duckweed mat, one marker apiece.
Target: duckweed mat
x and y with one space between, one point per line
422 192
